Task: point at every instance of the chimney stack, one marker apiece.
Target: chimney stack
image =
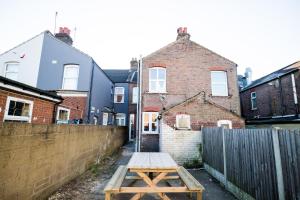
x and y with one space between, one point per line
64 35
182 32
134 64
248 75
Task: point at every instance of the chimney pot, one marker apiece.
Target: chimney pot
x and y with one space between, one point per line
64 35
182 32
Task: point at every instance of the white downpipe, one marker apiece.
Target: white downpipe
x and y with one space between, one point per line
294 89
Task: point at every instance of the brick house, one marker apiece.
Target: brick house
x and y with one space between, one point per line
186 86
23 103
125 96
272 101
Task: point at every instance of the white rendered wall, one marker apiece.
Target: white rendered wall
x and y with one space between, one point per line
29 64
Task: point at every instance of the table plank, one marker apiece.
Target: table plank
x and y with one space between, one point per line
145 160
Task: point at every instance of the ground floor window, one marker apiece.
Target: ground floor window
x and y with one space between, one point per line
63 115
225 123
183 121
121 119
104 119
150 122
18 110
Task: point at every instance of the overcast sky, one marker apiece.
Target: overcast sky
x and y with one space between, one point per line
263 35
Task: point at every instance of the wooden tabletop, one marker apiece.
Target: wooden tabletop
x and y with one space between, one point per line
160 161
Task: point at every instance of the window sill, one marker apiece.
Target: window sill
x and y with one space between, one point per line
150 92
119 102
149 133
253 109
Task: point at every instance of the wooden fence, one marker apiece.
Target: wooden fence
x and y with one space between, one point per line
254 163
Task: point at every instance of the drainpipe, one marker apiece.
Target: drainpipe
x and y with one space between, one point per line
90 92
295 93
140 69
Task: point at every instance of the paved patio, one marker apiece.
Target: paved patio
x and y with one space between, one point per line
90 186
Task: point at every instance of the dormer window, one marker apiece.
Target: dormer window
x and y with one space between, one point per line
157 80
70 80
12 70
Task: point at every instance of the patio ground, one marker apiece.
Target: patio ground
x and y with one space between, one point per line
90 185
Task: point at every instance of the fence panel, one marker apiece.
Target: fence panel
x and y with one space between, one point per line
213 148
289 141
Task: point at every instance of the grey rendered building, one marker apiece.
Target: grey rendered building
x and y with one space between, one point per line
50 62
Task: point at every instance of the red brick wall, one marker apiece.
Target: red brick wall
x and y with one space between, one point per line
42 109
273 98
77 106
188 66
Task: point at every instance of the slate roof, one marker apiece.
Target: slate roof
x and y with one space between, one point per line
121 75
23 86
274 75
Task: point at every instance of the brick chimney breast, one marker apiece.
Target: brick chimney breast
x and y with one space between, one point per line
182 32
64 35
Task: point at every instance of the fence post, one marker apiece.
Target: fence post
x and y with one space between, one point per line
224 156
276 147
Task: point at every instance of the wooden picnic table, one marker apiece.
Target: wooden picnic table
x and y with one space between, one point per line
153 168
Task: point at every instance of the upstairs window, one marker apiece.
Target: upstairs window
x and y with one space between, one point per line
219 85
121 119
135 95
183 121
150 122
70 80
157 80
18 110
12 71
119 95
253 101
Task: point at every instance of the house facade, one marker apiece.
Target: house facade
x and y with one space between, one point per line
23 103
186 86
125 96
50 62
273 100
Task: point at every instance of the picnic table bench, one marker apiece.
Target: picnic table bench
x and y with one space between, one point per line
152 168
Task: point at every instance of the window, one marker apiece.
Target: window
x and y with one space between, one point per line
70 80
225 124
119 95
63 115
219 83
121 119
12 70
183 121
150 122
104 119
18 110
157 80
253 101
135 95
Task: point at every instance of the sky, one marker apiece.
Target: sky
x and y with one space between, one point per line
261 34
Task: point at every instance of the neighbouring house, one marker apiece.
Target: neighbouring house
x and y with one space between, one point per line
50 62
23 103
125 96
273 100
186 86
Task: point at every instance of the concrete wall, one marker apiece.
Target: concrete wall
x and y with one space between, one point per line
29 64
35 160
182 145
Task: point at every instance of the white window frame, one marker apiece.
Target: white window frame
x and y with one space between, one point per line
214 82
150 122
65 69
5 72
253 99
104 119
158 90
115 95
135 95
18 118
62 108
178 117
120 116
226 122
